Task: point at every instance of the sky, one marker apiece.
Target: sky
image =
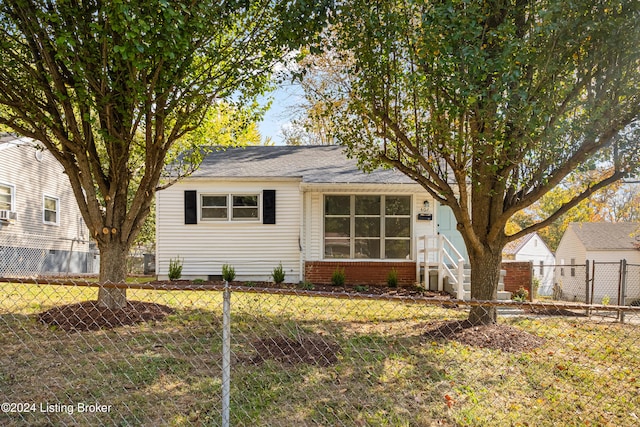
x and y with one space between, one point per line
285 98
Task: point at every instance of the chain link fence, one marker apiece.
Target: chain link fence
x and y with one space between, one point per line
303 357
28 255
141 260
598 282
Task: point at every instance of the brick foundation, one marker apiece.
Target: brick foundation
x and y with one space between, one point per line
518 274
359 272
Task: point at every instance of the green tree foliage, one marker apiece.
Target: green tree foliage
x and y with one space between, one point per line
111 87
615 203
490 104
223 126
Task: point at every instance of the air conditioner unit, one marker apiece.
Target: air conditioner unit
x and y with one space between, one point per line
8 215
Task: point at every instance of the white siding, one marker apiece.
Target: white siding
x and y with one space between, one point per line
32 179
252 248
570 247
632 256
536 251
422 227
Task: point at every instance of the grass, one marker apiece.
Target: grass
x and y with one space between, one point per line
168 373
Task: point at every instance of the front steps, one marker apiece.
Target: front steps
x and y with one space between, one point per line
452 289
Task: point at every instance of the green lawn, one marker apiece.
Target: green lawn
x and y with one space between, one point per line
387 372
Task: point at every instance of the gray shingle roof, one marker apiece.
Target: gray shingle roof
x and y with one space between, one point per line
311 164
514 246
607 235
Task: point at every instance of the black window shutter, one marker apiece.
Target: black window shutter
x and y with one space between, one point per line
268 206
190 207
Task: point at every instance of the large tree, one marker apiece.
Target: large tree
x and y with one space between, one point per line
490 104
105 85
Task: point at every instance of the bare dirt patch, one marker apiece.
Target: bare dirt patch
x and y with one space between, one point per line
292 351
89 316
498 336
554 311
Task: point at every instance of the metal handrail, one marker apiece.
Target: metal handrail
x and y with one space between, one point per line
443 250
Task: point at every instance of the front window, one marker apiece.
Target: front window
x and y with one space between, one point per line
225 207
337 226
245 207
214 207
367 227
51 210
6 197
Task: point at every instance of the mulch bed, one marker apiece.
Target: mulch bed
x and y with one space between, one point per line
375 290
309 350
497 336
89 316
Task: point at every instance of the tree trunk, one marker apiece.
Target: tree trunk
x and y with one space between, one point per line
113 269
485 275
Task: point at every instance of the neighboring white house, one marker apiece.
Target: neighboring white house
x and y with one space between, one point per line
309 208
41 229
604 244
532 248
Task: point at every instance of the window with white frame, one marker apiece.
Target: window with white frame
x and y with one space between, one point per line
367 227
225 207
214 207
7 195
51 211
244 207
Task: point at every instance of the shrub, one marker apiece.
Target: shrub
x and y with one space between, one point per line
392 278
306 285
338 277
278 274
250 284
198 281
361 288
175 269
228 273
521 295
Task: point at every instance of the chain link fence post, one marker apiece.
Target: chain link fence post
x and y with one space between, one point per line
587 294
226 354
623 286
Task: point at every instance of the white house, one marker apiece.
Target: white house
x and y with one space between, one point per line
533 249
604 244
41 228
309 208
